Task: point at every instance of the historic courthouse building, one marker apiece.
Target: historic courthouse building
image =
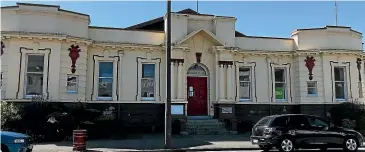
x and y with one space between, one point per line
216 70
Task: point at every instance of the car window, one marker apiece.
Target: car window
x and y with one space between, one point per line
298 122
279 122
315 122
264 121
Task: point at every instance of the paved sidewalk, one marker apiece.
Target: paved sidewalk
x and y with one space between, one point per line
156 142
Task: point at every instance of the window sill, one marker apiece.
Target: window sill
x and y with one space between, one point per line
281 100
148 99
244 100
104 98
71 92
312 95
341 100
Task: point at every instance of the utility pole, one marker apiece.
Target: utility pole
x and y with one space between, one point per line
168 78
197 6
336 13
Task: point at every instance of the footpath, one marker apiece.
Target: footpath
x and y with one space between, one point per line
155 142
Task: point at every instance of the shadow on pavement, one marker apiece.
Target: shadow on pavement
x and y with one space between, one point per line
156 141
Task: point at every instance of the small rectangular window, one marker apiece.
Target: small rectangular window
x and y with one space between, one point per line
177 109
72 83
227 110
312 87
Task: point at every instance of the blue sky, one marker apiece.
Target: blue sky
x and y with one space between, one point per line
276 19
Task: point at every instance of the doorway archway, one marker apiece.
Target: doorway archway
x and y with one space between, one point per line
197 90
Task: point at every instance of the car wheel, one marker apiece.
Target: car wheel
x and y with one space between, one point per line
350 144
265 148
286 145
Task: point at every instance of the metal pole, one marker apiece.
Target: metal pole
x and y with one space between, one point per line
336 12
168 78
197 6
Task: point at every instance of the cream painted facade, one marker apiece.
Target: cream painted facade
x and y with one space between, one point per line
50 31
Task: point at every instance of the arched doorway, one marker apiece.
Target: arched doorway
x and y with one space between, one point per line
197 90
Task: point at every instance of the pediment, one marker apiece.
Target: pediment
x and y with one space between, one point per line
206 34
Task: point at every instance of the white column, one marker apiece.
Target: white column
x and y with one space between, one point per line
229 83
173 84
180 76
120 84
221 82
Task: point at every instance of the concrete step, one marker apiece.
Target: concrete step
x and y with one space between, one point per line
199 117
205 126
204 121
208 132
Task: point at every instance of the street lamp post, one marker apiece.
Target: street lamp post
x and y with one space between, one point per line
168 78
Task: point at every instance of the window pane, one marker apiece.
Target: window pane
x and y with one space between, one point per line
105 87
317 122
71 83
312 88
340 90
298 122
311 84
35 63
34 84
279 75
148 71
339 74
244 74
312 91
264 121
280 90
280 122
105 69
148 87
244 90
196 70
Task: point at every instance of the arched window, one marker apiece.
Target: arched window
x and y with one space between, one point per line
196 70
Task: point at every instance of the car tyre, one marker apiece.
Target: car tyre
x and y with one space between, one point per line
265 148
351 144
286 145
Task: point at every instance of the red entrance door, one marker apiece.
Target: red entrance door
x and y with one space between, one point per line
197 96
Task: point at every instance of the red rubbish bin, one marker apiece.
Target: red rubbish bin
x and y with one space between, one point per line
79 140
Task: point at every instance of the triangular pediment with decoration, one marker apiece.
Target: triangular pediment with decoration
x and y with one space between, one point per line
207 34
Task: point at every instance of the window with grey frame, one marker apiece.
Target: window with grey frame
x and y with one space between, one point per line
340 82
105 89
148 82
312 87
72 83
34 74
245 83
280 83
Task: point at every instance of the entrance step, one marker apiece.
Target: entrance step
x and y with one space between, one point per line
200 117
205 125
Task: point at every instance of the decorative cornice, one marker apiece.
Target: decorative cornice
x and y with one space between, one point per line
214 49
40 36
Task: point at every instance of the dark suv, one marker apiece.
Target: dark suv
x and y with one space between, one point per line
294 131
